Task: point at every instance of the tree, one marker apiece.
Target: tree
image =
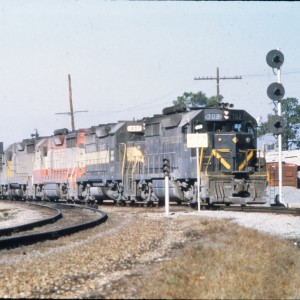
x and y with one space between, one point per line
198 99
290 109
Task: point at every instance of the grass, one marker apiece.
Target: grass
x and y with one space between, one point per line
224 261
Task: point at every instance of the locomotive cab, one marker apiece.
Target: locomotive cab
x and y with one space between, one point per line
235 170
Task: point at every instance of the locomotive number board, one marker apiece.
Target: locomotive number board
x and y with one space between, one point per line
226 115
134 128
213 116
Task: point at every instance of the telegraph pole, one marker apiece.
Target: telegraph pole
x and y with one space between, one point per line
71 113
218 78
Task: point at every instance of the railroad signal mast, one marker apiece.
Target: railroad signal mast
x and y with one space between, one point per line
276 92
166 171
218 78
71 112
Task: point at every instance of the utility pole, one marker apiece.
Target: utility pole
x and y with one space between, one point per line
71 103
71 113
218 82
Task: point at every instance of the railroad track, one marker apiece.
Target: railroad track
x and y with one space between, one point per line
56 215
238 208
262 209
66 219
185 207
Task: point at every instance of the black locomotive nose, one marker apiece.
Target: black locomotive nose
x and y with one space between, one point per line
233 151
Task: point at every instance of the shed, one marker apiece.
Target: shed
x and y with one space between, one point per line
289 174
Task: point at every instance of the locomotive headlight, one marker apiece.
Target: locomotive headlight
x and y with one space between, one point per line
219 139
248 140
226 114
198 127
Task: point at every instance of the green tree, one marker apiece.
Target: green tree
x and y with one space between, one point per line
290 111
198 99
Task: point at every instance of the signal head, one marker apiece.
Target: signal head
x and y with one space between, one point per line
166 167
275 124
275 91
275 59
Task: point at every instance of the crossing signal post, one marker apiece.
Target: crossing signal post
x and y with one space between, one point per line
276 92
166 171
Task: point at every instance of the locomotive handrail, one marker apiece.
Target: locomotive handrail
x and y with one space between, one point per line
247 159
124 159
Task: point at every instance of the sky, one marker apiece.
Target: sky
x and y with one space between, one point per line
129 60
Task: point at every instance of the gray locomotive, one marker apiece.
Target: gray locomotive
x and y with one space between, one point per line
123 161
232 169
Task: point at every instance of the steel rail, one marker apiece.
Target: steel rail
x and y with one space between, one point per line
263 209
28 226
27 239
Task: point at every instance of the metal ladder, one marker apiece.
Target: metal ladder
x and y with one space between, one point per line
272 188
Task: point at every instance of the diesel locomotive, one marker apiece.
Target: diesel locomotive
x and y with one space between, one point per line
123 161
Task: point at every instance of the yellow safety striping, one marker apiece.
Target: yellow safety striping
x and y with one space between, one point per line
222 160
244 163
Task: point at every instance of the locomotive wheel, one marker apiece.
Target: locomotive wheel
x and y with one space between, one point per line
193 204
121 203
150 204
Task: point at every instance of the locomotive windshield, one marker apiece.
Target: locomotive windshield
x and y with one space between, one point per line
216 120
224 127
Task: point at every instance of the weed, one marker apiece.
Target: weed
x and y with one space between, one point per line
223 260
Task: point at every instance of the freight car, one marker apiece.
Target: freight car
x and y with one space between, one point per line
123 161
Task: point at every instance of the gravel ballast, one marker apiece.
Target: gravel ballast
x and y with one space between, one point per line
85 264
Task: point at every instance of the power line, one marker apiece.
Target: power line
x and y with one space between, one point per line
218 78
293 71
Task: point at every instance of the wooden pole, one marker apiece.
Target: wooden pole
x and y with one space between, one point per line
71 104
218 82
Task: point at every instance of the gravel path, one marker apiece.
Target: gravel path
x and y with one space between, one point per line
76 266
278 225
85 264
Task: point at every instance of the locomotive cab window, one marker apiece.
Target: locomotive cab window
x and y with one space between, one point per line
224 127
250 128
45 151
30 148
71 142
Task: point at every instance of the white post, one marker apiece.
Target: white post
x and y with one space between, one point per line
198 178
279 146
167 194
